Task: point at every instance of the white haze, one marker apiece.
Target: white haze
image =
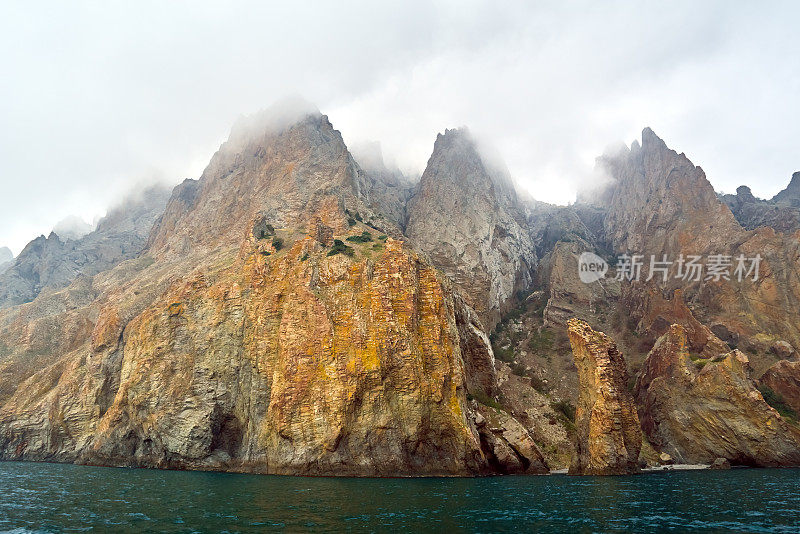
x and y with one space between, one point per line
72 227
96 96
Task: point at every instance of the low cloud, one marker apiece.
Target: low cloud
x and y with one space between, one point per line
91 103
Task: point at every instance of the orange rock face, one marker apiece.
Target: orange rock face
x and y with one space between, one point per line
784 379
254 336
609 438
697 411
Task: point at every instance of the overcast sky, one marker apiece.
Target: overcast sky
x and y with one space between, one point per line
96 97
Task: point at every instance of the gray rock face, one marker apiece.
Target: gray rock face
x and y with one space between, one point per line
467 218
752 212
52 263
6 259
791 195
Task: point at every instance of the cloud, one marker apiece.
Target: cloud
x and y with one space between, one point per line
98 96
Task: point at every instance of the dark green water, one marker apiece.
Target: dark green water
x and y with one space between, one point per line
67 498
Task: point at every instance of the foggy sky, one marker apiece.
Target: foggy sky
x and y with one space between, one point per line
96 97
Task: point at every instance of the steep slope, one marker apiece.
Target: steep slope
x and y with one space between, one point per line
465 216
266 329
53 263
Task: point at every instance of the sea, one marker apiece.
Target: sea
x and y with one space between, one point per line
43 497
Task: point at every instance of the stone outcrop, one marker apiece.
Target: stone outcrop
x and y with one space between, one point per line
510 447
700 409
608 434
466 217
783 379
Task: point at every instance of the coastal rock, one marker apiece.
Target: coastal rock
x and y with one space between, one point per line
508 445
698 409
308 346
609 438
720 463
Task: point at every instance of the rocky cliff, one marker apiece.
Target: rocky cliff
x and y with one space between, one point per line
271 326
791 195
698 409
466 217
658 203
296 311
609 438
782 382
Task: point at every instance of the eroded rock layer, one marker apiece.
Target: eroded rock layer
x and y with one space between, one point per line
609 438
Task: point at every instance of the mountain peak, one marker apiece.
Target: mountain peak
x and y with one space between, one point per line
274 119
651 140
790 195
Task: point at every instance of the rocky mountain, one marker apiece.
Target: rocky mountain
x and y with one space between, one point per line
6 259
791 195
53 262
752 212
271 326
299 310
466 217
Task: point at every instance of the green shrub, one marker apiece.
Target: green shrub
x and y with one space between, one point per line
351 222
565 408
519 369
541 341
340 248
503 354
539 385
776 401
485 399
277 242
383 237
304 257
363 238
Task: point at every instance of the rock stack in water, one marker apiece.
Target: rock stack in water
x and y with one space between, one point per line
609 437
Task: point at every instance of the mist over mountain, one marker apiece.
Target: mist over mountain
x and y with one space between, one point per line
327 315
